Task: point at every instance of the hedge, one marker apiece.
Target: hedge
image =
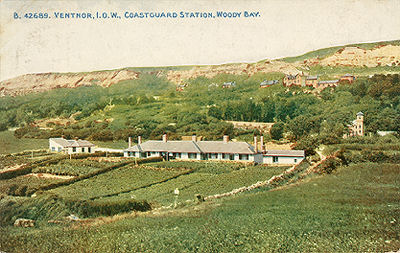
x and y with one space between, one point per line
90 208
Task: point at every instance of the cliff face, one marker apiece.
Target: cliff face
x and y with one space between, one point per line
179 76
42 82
388 55
383 55
354 56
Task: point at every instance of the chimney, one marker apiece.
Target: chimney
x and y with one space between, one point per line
194 138
255 144
139 140
226 138
262 143
164 138
129 142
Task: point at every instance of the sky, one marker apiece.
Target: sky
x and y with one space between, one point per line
283 28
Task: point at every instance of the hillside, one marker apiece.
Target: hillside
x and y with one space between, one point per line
370 55
47 81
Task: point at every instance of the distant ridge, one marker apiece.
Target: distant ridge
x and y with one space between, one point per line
370 55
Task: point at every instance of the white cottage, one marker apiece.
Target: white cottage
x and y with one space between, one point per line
70 146
283 156
195 150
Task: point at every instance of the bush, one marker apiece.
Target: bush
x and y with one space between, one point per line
277 131
328 166
90 208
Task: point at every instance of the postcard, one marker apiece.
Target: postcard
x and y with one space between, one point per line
199 126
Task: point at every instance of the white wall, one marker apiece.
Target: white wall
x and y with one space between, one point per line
58 147
282 160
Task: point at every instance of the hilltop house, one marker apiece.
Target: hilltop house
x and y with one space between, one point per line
348 77
266 83
228 84
312 81
70 146
180 87
290 80
328 83
357 126
224 150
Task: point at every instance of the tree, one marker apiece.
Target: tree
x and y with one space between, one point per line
277 130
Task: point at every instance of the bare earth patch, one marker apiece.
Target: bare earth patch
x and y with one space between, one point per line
48 175
10 168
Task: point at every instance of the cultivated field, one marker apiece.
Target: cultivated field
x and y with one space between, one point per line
127 205
347 211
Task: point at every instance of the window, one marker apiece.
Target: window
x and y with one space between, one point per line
275 159
213 155
178 155
89 149
74 149
59 149
243 157
53 148
295 160
225 156
192 155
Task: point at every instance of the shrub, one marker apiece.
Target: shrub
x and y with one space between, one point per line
328 166
91 208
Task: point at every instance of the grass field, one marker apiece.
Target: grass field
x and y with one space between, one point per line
114 182
355 209
10 144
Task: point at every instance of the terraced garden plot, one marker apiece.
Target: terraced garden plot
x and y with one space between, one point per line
75 167
201 183
120 180
27 182
9 161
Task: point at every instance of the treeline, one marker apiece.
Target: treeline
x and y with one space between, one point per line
150 107
23 110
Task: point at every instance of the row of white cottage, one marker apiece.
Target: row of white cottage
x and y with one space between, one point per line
189 150
212 150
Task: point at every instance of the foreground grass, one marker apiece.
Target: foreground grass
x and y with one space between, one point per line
355 209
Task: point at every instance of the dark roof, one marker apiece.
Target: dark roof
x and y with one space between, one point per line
348 75
360 113
266 82
297 153
194 147
328 81
291 76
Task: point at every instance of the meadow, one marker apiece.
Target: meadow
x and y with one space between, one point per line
355 209
10 144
